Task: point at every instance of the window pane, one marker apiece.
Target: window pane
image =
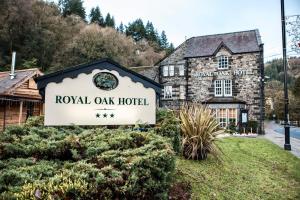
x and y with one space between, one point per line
181 70
227 87
165 70
218 88
171 70
232 116
222 117
168 92
223 62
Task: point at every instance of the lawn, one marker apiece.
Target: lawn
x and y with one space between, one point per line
253 168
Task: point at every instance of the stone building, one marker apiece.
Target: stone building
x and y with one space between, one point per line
222 71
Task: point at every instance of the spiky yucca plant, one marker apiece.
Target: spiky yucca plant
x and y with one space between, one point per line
199 129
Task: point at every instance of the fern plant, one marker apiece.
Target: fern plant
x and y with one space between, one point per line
199 129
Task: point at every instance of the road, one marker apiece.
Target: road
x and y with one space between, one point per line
294 131
275 133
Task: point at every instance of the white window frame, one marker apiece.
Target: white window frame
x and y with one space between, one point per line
166 70
223 62
227 88
220 86
168 92
171 70
181 70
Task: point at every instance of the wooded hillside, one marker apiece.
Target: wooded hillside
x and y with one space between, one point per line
54 36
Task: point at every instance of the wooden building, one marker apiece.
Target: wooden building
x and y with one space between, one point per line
19 97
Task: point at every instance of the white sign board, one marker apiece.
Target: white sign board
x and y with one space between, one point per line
244 117
100 98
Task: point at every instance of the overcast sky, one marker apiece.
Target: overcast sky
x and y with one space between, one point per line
188 18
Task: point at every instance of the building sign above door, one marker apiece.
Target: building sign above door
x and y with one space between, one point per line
238 72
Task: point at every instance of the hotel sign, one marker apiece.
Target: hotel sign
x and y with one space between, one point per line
238 72
102 97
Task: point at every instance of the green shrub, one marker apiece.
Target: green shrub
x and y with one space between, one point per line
168 126
75 163
199 129
35 121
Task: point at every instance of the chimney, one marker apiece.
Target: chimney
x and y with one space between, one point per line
13 62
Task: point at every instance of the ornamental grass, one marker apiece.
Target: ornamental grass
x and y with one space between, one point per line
199 130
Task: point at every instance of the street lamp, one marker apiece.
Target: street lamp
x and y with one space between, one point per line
287 145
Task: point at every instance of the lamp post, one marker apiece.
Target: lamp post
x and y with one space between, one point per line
287 145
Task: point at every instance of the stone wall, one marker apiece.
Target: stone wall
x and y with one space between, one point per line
176 59
245 87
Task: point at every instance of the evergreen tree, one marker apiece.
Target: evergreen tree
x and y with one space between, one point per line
69 7
121 28
151 34
170 49
96 16
109 21
163 40
136 30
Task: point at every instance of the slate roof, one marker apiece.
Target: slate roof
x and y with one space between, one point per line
7 85
236 42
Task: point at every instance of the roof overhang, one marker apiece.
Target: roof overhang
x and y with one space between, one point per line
103 64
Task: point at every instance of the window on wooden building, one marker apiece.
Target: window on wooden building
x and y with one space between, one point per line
168 91
223 62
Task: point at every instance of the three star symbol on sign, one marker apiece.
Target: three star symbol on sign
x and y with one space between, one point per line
105 115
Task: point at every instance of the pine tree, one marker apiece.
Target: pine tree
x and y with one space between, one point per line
151 34
69 7
170 49
96 16
136 30
121 28
109 21
163 40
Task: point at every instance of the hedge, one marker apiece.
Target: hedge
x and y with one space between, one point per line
39 162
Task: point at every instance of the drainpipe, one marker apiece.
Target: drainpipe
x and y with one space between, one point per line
262 94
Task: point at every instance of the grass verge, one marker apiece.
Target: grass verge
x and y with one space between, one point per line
253 168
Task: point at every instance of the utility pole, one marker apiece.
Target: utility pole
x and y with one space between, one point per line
287 145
